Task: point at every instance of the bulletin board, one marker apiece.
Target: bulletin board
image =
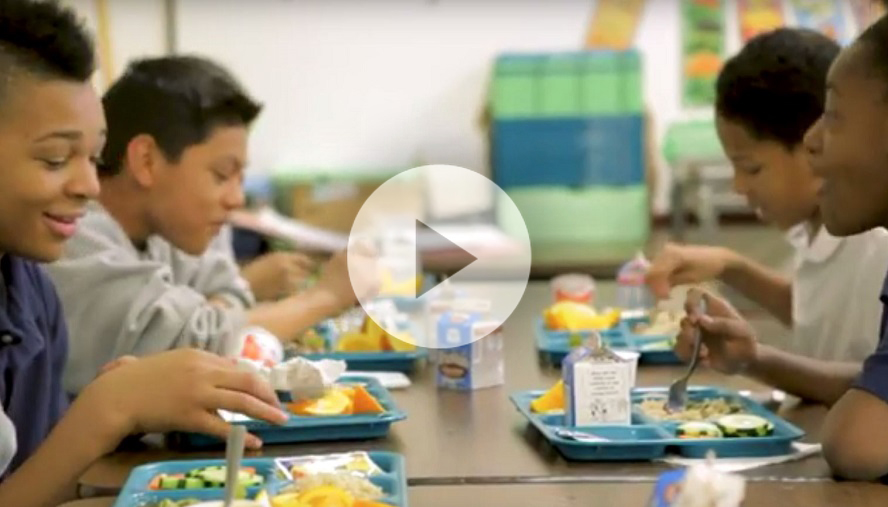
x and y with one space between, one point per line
703 41
759 16
866 12
825 16
614 24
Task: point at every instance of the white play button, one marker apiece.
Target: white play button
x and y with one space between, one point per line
455 218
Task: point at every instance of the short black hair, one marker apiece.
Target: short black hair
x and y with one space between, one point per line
775 87
874 40
177 100
44 39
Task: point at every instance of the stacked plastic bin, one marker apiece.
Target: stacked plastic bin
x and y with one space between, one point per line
567 144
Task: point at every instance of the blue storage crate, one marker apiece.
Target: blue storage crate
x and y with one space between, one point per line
317 429
555 345
647 438
135 492
603 151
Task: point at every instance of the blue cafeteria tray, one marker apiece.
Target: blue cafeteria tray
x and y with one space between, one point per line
647 438
408 304
404 362
135 492
555 345
318 429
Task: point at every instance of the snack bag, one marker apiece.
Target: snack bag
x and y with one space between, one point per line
355 463
699 486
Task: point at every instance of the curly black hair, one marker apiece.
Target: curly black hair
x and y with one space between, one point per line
45 39
775 87
177 100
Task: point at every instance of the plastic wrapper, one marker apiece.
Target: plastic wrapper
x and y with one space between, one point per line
355 463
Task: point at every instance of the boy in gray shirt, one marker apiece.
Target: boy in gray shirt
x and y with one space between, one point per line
139 277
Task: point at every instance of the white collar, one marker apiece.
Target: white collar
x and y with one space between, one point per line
819 250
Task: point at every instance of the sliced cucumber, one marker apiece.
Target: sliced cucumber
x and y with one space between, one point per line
698 429
745 425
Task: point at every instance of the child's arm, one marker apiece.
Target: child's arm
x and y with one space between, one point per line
855 443
687 264
145 395
730 347
334 292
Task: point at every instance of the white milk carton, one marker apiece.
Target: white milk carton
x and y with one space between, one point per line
470 354
598 385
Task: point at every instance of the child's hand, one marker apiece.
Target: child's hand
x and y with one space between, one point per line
729 344
686 264
116 363
179 390
277 274
363 282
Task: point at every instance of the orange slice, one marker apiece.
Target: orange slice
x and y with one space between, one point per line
551 401
335 402
326 496
364 402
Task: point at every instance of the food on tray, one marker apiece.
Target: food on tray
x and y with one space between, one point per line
662 323
657 345
702 410
339 400
573 316
698 429
403 288
174 503
342 483
551 401
354 463
356 332
205 477
745 425
311 341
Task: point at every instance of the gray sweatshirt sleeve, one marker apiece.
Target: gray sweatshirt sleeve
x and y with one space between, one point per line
118 302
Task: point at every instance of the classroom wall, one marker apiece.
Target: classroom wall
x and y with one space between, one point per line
378 84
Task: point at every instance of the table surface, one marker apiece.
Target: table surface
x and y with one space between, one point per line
479 436
758 494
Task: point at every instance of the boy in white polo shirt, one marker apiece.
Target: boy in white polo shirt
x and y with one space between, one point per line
768 96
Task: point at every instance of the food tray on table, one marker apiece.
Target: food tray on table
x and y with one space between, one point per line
653 349
399 361
410 304
316 428
137 491
650 438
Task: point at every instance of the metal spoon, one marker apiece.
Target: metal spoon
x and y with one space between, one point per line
234 453
678 391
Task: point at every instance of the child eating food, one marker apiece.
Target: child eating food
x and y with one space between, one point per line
768 96
51 131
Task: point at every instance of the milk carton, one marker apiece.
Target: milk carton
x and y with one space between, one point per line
597 384
470 354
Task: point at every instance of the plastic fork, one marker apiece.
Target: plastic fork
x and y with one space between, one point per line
678 391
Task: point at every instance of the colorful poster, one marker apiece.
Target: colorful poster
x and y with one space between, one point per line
825 16
866 12
614 23
703 32
759 16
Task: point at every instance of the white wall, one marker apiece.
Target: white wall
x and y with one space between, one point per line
371 84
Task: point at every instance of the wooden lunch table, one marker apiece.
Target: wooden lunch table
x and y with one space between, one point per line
480 438
758 494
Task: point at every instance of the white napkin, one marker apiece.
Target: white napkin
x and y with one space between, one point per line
800 450
705 486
